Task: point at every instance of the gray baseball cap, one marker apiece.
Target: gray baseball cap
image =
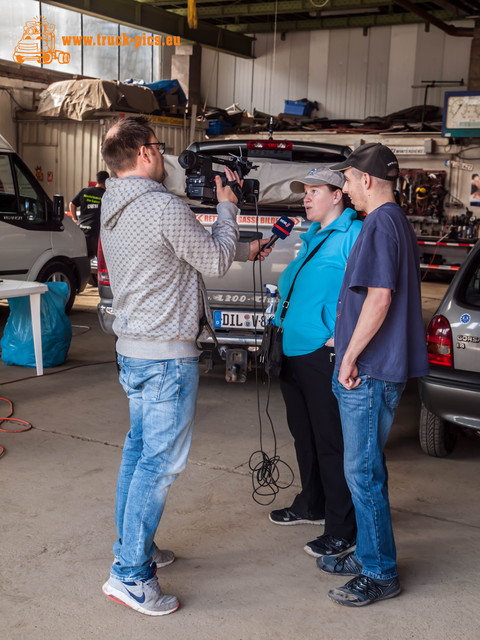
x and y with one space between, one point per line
317 177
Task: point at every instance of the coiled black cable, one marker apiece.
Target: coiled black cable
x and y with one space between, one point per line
266 470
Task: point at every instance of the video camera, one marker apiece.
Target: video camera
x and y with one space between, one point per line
200 177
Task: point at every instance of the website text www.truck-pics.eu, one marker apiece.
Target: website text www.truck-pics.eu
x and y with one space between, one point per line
122 40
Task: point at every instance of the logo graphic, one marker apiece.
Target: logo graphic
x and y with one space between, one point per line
465 318
38 43
139 599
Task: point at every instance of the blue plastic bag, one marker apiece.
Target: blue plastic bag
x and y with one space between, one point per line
17 339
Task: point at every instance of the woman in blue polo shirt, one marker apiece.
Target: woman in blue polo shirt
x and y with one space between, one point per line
309 360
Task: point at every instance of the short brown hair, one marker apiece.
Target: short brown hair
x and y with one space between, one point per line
121 142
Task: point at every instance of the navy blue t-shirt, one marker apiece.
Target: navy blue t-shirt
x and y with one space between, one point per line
385 255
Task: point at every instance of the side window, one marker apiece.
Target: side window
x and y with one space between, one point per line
472 290
32 204
8 201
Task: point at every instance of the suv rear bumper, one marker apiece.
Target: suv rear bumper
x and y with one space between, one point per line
453 396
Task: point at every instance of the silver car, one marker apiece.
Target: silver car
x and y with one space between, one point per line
450 394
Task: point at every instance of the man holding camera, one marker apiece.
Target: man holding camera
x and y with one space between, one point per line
379 344
156 252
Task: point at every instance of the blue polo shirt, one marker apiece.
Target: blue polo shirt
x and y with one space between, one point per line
385 255
310 319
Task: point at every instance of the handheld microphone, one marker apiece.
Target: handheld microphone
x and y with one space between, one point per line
281 229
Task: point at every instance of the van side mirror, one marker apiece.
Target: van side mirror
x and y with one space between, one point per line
58 208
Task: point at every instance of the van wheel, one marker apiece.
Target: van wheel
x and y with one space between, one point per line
60 272
437 436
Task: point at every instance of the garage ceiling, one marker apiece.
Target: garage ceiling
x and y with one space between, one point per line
258 16
223 24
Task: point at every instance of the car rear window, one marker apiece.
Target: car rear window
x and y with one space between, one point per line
470 293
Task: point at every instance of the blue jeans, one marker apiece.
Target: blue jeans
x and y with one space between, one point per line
367 414
162 396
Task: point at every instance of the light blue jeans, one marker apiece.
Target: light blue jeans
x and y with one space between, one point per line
367 414
162 397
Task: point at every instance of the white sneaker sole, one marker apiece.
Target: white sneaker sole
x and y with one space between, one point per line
121 598
288 524
315 554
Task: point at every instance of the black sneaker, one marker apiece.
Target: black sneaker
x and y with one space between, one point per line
287 516
345 566
363 590
328 545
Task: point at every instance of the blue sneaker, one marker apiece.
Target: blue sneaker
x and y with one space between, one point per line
144 596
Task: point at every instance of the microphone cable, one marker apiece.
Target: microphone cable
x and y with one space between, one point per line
266 470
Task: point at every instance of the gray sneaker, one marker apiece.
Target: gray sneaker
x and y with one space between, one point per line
362 590
142 595
162 557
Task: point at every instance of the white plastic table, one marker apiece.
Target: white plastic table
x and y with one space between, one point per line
18 288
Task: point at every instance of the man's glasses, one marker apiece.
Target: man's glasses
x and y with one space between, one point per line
160 146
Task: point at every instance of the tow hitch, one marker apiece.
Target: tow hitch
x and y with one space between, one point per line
236 365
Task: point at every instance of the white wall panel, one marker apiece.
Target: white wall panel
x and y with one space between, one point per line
337 73
403 49
278 85
377 74
298 73
243 83
357 66
429 63
226 80
456 59
260 71
318 68
209 77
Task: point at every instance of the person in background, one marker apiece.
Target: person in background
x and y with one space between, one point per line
309 358
380 343
89 200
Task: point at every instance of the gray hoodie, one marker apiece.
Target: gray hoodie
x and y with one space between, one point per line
156 251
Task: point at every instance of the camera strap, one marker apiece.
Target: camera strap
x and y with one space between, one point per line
236 188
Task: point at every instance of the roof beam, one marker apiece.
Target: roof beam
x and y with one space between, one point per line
155 20
433 19
266 8
337 22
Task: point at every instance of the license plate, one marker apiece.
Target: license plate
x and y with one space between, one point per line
238 320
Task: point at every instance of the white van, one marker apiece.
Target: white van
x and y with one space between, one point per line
36 241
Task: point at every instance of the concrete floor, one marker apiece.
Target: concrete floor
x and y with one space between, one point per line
237 575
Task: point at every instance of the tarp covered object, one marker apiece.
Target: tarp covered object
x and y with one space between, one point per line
80 99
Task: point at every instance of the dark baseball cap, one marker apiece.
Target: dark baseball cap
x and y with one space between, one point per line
373 158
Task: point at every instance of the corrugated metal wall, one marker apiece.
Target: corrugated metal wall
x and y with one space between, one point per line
71 149
350 74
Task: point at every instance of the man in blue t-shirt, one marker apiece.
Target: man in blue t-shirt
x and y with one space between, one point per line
379 344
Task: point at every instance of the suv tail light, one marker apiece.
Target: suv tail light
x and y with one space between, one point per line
439 342
102 271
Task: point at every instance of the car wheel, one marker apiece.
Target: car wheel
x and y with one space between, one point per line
60 272
437 436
